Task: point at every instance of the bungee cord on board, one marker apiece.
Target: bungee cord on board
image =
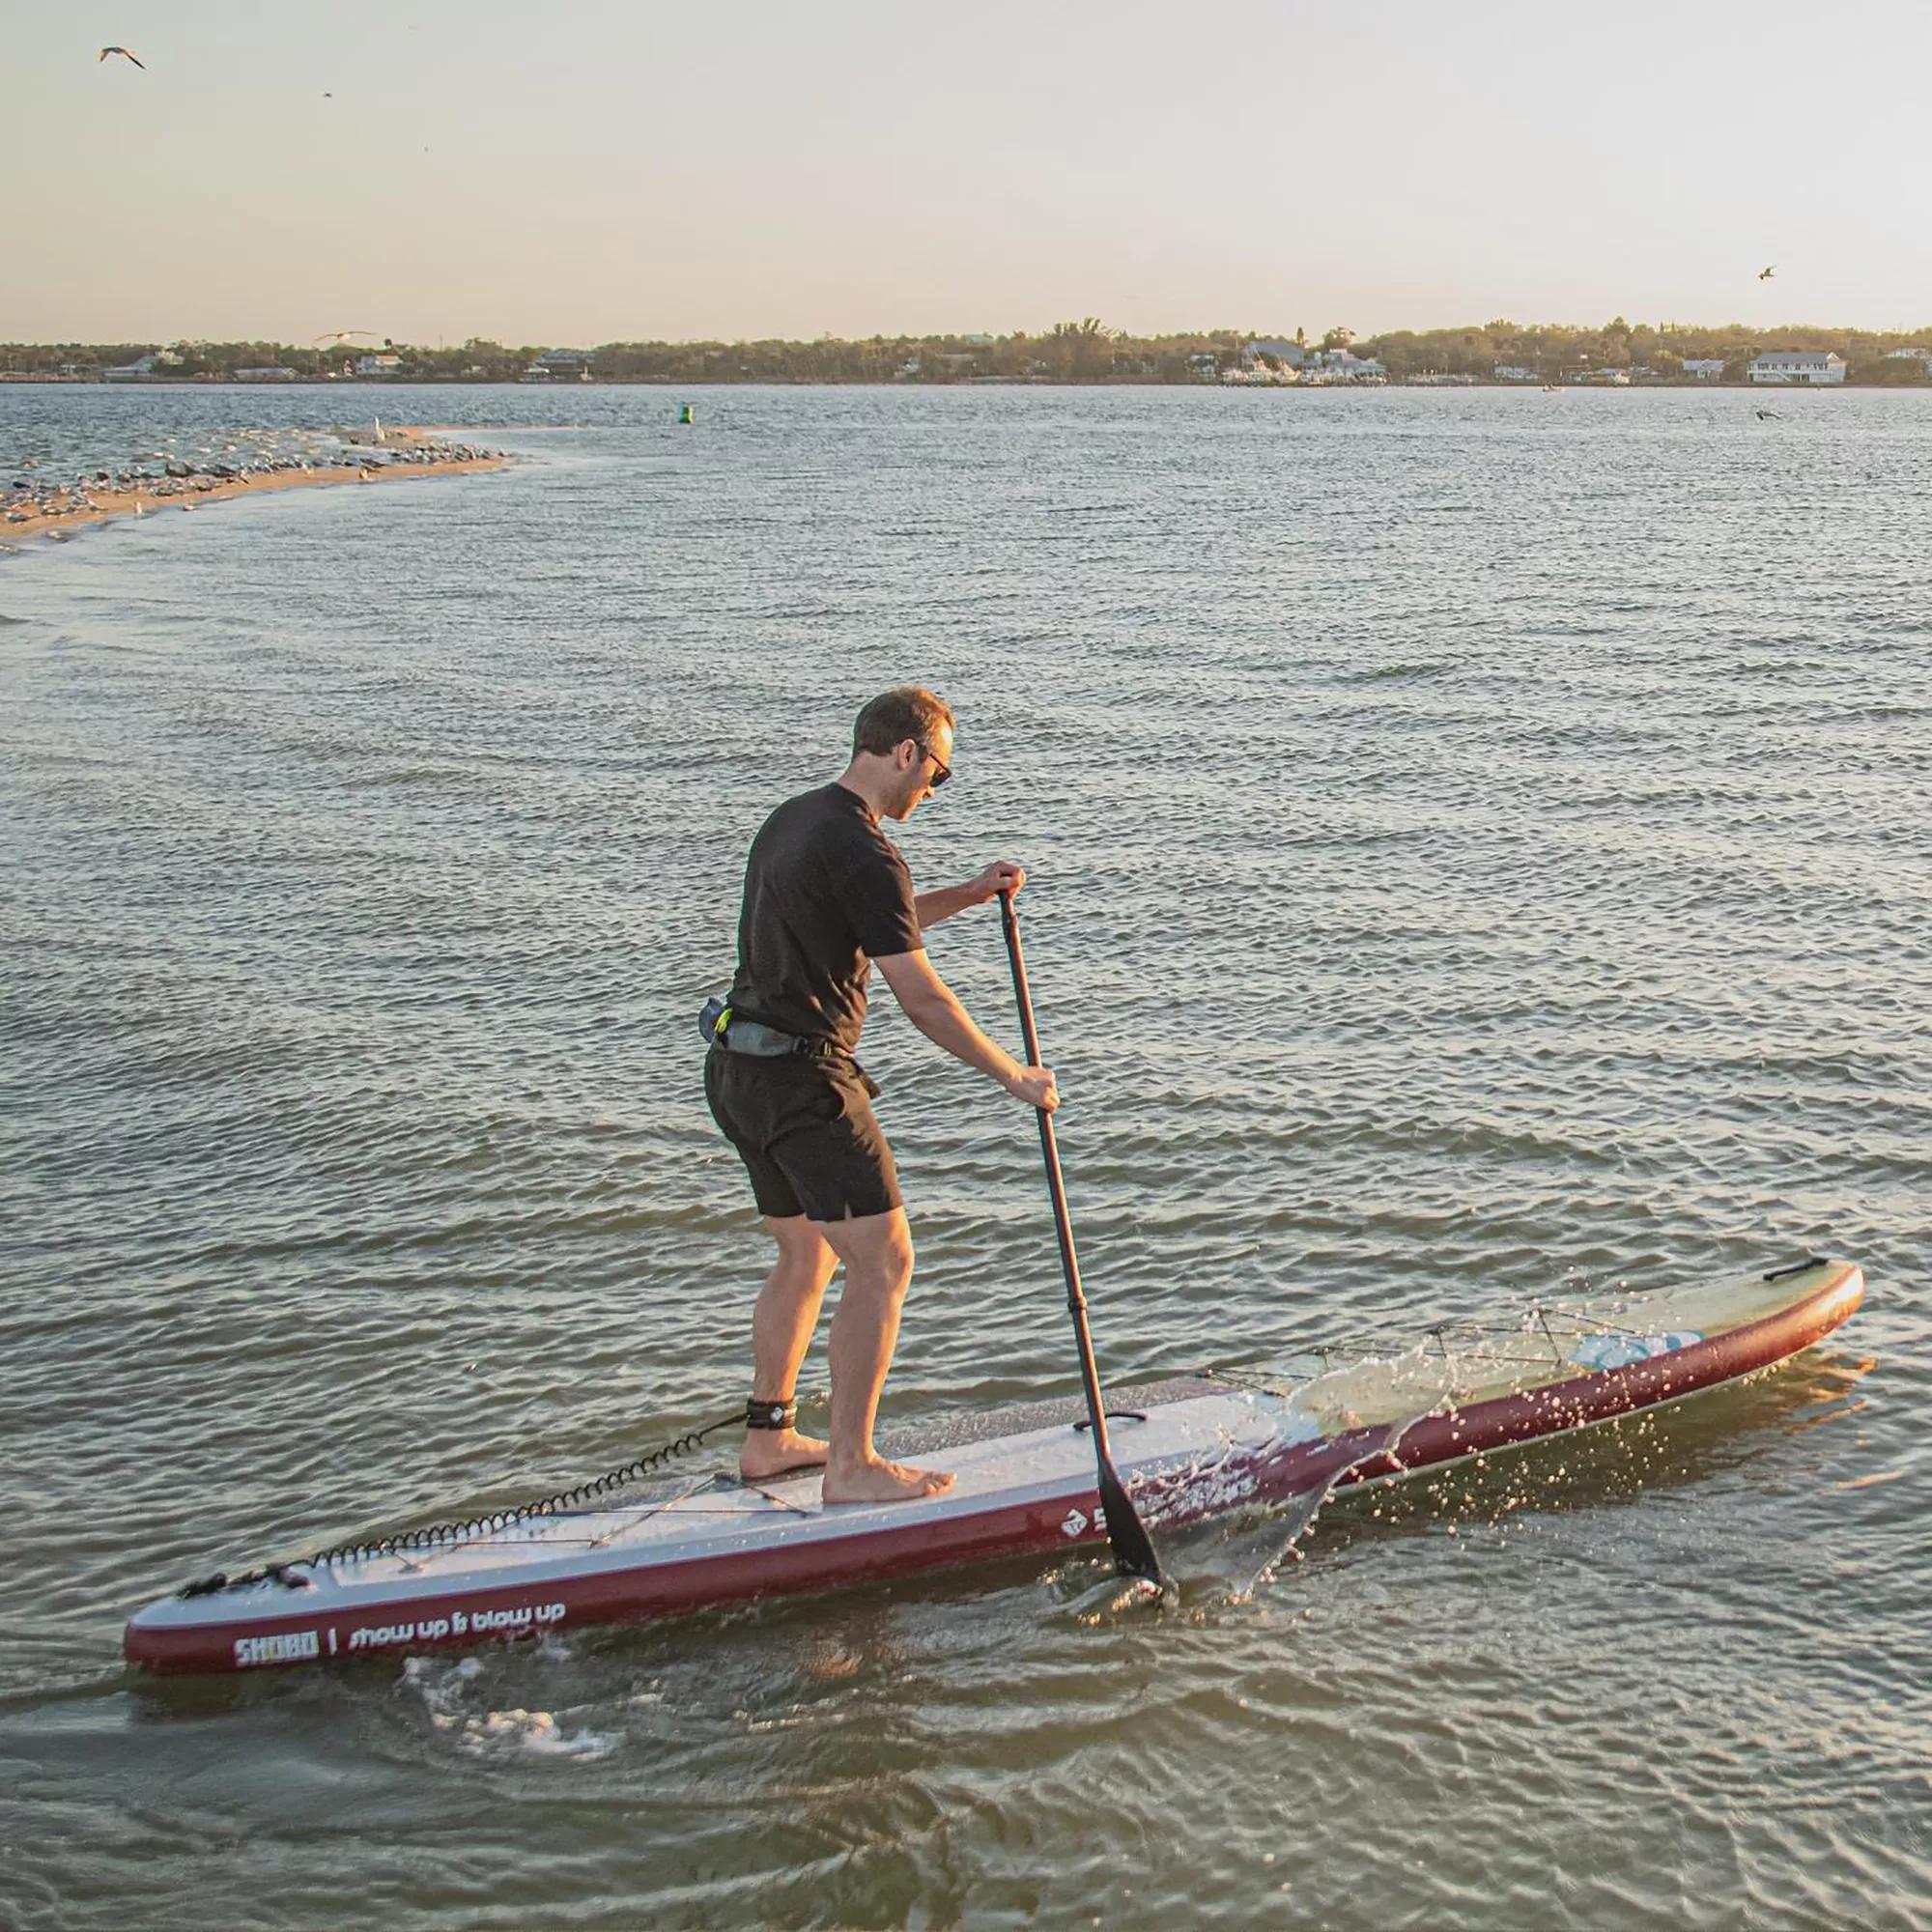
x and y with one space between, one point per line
441 1535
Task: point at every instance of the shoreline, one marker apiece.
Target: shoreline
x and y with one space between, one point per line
408 453
712 381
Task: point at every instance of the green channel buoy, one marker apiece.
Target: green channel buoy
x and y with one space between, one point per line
685 414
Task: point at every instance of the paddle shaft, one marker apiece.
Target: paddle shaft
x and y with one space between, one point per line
1133 1549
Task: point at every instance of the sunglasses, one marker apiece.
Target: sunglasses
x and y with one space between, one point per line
940 773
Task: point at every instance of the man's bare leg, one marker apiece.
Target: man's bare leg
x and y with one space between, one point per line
877 1252
781 1330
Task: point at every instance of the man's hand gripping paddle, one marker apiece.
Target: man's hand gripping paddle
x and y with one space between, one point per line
1133 1549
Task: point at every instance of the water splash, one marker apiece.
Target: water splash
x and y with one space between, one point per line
450 1693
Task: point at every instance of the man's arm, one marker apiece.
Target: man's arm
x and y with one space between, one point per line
1001 876
934 1009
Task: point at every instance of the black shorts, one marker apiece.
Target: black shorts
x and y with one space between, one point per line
806 1134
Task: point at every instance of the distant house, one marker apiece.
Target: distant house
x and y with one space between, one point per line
1703 368
274 374
1264 363
1515 372
1798 365
142 367
1342 365
1203 365
1922 357
573 364
384 364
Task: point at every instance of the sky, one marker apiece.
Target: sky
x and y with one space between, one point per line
581 172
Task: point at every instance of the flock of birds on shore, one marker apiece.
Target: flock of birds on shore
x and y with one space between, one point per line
161 475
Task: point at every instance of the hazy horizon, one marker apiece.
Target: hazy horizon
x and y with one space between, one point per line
598 173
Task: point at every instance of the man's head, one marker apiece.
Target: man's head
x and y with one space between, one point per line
902 747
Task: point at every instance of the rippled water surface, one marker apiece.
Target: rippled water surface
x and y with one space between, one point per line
1480 849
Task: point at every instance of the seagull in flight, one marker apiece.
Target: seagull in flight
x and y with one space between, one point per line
125 55
1765 274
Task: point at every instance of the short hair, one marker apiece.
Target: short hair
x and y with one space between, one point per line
893 716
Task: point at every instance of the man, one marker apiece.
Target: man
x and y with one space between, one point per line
827 897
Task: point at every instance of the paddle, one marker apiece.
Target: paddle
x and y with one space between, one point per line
1133 1551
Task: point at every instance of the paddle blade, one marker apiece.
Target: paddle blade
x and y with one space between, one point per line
1133 1548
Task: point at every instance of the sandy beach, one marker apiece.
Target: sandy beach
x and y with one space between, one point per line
400 454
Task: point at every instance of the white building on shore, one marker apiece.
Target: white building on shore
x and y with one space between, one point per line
1290 354
1266 362
1342 365
155 362
1798 366
574 364
1703 368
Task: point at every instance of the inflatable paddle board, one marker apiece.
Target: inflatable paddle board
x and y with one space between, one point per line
1187 1448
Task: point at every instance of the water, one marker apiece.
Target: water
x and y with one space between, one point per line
1479 848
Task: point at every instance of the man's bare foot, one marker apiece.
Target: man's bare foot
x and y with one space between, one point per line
881 1482
778 1452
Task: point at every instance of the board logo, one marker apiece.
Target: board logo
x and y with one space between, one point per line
284 1647
514 1620
1073 1523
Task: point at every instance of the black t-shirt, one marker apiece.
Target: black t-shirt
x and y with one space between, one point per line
826 892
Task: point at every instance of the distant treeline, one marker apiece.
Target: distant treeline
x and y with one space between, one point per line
1659 349
1070 352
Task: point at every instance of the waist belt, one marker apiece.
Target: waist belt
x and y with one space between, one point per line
720 1030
